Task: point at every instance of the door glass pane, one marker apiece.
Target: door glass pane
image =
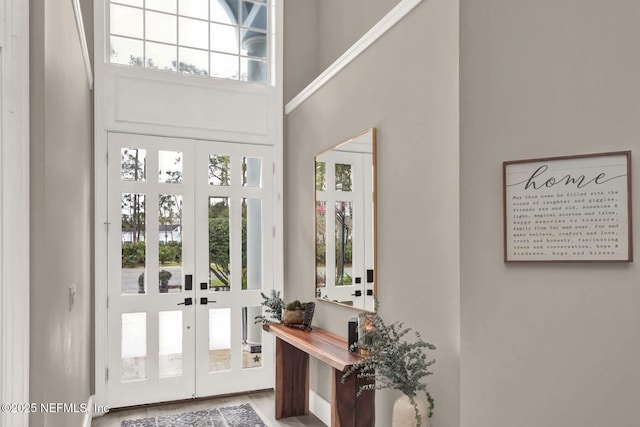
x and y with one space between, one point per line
170 343
344 177
126 51
251 244
219 253
134 346
251 338
133 226
133 164
321 244
170 243
161 56
170 167
219 170
161 27
344 243
251 172
194 8
194 61
321 176
219 339
126 21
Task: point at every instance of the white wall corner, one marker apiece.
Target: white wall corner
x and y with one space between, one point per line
83 42
387 22
14 209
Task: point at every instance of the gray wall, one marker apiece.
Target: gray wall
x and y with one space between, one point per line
545 345
301 49
412 99
318 32
341 23
61 185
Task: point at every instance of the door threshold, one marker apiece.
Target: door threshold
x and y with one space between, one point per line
192 400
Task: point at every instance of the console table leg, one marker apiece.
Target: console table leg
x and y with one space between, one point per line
292 380
347 410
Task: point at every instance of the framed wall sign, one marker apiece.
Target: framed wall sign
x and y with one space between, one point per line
568 209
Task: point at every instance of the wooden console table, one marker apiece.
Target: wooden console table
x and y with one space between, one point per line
293 347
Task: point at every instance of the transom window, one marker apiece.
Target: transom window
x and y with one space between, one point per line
218 38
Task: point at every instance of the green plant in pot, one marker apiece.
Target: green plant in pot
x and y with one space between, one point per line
274 306
393 362
294 313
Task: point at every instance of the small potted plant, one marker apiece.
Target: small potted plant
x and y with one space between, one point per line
393 362
293 313
296 313
274 305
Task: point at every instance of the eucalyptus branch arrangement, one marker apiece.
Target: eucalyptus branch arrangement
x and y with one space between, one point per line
394 362
274 305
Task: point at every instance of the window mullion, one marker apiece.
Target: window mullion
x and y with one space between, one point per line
144 33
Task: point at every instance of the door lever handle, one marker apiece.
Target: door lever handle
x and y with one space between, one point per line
205 301
187 301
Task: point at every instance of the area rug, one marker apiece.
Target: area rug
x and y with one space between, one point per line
229 416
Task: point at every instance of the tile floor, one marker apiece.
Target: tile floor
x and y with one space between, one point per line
263 403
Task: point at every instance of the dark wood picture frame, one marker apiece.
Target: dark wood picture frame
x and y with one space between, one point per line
568 209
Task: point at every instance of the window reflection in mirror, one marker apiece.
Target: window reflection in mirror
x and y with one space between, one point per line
344 244
345 222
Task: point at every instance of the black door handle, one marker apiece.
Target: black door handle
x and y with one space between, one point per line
205 301
187 301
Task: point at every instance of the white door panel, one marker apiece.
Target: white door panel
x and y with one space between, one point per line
248 193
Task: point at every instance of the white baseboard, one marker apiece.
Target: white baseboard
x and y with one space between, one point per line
320 407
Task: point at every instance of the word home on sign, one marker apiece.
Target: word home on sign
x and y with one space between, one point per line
568 209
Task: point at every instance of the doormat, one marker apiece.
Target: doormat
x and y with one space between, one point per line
229 416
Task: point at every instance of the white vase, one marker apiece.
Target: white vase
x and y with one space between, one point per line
404 413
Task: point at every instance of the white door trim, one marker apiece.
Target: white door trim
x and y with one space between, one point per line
14 208
103 125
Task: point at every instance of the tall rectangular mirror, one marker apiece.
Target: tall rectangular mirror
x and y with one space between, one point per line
345 222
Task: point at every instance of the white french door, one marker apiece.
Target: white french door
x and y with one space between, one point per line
190 248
